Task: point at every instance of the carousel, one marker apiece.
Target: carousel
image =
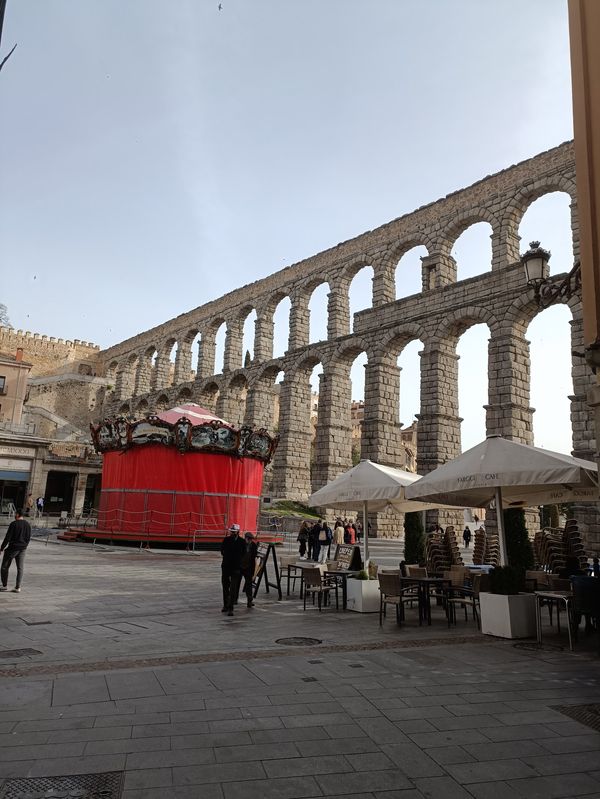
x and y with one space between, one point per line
180 477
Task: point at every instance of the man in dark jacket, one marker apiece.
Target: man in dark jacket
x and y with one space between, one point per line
14 545
249 565
232 550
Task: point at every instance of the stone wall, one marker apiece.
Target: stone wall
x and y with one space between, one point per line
49 355
143 379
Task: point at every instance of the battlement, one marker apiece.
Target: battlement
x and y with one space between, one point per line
8 333
47 354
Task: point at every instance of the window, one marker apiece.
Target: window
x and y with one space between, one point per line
2 385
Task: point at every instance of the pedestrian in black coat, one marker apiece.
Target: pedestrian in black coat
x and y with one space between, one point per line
232 550
14 545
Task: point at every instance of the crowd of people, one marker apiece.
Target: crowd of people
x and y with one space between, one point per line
315 540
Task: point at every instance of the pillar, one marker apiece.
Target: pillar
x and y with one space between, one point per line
291 464
299 321
338 309
381 429
509 413
143 375
206 355
260 406
438 269
438 429
231 404
584 429
505 244
333 444
233 346
384 283
183 363
263 336
162 368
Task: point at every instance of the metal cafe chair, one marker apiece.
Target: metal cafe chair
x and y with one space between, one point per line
317 585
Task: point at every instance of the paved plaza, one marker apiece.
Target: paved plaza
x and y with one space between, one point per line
118 660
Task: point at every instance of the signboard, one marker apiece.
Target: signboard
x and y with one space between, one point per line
264 553
23 452
15 465
347 556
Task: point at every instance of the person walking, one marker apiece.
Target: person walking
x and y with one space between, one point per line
232 551
248 565
338 532
313 541
14 545
467 536
303 539
39 507
29 505
325 537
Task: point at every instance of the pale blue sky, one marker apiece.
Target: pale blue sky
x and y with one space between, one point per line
156 155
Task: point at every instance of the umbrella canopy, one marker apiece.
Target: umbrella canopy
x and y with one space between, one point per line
512 474
369 486
370 482
527 476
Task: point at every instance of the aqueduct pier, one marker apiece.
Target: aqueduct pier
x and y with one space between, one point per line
144 379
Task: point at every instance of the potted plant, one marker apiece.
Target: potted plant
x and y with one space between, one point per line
506 611
362 593
414 538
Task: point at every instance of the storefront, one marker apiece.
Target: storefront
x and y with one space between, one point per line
16 464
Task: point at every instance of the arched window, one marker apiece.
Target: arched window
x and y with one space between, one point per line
281 327
408 275
360 293
548 220
317 309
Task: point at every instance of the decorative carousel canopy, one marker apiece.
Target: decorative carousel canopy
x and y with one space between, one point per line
189 428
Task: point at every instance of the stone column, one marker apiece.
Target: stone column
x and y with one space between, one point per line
206 355
263 336
260 406
338 309
143 376
384 283
183 363
438 269
438 430
509 413
505 244
333 445
161 370
381 428
291 465
299 321
583 425
233 346
231 404
125 381
79 493
575 230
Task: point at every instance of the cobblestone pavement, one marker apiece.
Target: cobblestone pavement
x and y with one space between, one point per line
135 669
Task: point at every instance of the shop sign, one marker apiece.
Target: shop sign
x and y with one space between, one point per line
15 465
23 452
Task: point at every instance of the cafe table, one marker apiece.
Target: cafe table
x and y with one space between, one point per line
424 586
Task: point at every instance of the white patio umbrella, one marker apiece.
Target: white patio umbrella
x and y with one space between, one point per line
369 486
514 475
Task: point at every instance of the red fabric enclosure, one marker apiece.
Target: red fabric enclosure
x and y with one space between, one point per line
160 492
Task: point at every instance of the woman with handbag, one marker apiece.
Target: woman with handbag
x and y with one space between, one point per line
325 536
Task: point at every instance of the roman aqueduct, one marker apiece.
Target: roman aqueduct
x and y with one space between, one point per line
144 380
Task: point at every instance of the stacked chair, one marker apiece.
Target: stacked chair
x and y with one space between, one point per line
486 548
552 546
442 552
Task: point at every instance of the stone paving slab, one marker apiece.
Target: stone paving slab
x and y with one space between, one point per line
166 689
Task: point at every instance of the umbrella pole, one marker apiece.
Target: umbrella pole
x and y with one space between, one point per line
365 536
500 523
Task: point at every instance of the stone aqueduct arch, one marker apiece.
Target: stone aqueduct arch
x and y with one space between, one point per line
437 316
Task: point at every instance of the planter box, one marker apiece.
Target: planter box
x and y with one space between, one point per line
363 595
508 616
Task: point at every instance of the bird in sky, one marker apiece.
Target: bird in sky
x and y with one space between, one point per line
220 7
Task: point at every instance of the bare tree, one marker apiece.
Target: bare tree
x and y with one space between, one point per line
2 10
4 320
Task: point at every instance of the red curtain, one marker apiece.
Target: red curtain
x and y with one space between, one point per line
155 489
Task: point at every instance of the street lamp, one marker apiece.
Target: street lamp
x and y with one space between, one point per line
548 291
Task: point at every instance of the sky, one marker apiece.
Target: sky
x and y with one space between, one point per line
154 155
